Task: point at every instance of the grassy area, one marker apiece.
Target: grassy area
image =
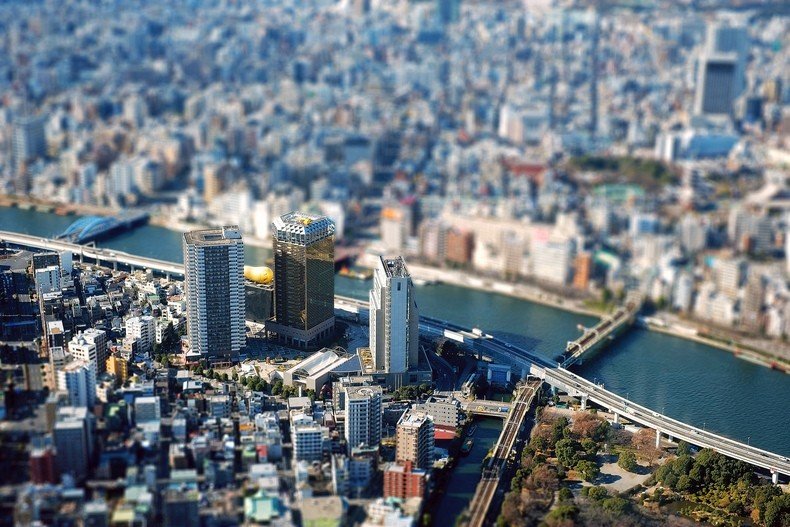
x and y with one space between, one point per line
647 173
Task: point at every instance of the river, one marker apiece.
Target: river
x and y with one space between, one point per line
691 382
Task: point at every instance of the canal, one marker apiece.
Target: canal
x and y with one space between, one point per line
691 382
466 473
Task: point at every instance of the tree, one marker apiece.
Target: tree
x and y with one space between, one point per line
616 506
235 376
588 470
644 441
567 452
566 494
684 449
590 447
591 426
562 514
595 493
627 461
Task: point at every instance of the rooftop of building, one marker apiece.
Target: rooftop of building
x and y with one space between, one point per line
395 267
413 419
301 223
227 235
362 392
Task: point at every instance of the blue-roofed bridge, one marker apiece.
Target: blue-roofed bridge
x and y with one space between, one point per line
92 228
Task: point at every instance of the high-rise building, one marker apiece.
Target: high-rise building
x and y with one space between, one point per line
78 380
72 437
214 283
82 349
42 466
98 337
48 279
304 279
394 318
307 437
147 409
721 70
363 416
143 330
414 439
395 226
28 141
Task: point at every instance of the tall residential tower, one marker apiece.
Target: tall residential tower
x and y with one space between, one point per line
214 282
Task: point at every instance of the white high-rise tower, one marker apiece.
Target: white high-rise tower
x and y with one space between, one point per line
394 319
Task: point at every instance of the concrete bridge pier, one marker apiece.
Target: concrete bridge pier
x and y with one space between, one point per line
658 438
774 477
616 418
584 402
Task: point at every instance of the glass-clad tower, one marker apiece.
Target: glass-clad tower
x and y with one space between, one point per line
304 279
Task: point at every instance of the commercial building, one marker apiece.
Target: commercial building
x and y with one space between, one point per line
394 318
98 337
320 367
304 279
445 410
414 439
363 416
214 283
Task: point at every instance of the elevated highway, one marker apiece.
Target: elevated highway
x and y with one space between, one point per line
87 253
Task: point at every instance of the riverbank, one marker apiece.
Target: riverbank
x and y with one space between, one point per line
755 357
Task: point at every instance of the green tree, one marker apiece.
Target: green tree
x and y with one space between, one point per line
777 512
616 506
590 447
595 493
566 451
566 494
588 470
627 461
684 449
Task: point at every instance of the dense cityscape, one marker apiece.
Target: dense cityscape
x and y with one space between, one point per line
226 228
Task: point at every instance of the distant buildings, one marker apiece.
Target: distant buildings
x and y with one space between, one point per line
394 318
304 279
214 283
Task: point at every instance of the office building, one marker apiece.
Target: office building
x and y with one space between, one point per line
147 409
258 293
28 141
72 437
78 380
445 410
363 416
214 283
395 225
42 466
394 318
304 279
415 439
48 279
180 507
